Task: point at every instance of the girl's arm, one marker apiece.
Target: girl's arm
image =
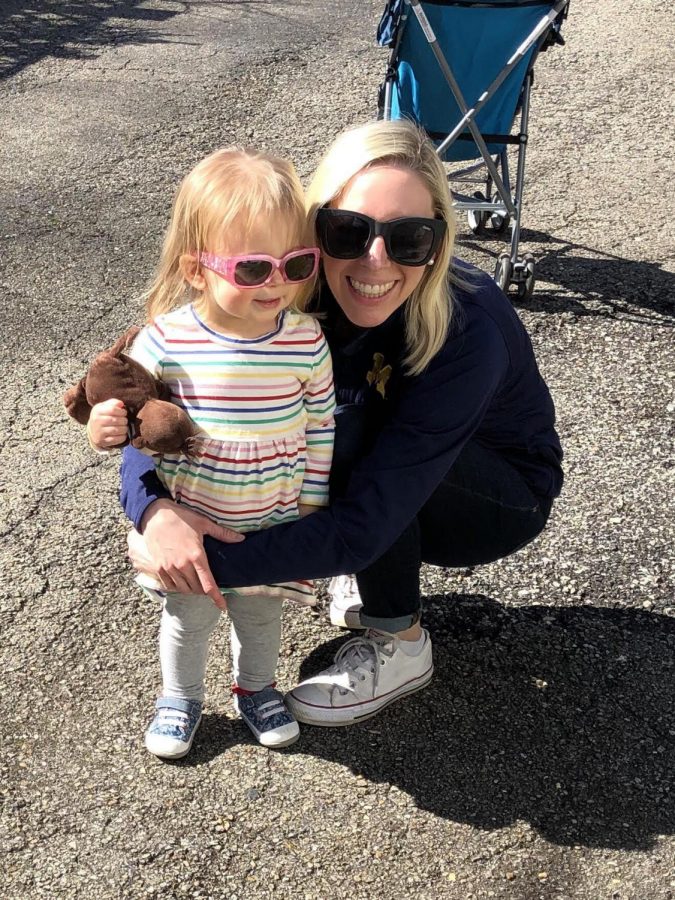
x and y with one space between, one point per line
319 401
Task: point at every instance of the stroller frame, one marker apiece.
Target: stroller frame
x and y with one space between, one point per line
502 209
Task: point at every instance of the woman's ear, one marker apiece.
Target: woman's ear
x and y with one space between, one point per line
191 271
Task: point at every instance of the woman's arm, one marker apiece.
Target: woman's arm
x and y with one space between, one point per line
174 536
140 486
437 414
386 489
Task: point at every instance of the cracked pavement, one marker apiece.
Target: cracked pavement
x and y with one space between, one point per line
539 763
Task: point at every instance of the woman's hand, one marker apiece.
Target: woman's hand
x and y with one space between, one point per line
108 425
171 549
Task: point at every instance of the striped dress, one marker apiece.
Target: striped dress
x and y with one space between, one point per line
263 408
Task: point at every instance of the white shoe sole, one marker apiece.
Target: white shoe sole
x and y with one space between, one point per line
335 717
277 745
169 748
284 737
272 741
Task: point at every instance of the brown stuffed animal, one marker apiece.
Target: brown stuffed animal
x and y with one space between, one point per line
155 423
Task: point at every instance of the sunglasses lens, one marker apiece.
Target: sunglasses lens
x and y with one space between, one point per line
344 236
252 271
299 268
411 243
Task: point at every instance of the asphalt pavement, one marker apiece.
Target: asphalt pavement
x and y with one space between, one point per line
539 763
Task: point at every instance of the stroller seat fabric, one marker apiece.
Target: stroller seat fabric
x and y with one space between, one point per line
463 70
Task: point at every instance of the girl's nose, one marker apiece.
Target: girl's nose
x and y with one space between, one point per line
276 277
377 253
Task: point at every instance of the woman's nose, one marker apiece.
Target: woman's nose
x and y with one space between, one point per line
377 253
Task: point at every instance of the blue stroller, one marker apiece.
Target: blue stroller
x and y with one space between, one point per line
463 70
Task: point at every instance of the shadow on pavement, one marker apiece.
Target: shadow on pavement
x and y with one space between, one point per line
217 734
563 718
605 285
30 32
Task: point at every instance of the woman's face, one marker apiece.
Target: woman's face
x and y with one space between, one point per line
369 289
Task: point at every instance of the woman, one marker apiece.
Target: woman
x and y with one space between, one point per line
446 451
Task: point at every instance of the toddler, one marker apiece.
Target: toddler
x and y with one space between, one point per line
254 374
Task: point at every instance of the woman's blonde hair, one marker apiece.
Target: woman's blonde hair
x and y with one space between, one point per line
428 310
232 189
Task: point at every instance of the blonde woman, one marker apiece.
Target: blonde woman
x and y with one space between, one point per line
446 451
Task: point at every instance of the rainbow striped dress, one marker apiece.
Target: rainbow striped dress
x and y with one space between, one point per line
263 408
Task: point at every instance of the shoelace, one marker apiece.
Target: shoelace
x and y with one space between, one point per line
270 708
175 718
363 652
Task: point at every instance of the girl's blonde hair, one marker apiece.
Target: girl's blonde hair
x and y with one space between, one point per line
428 310
233 189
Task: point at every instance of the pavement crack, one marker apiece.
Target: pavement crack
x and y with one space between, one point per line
41 495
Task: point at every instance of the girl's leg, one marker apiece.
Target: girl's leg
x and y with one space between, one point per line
481 511
187 623
256 637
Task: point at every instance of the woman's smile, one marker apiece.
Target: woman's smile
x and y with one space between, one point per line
370 290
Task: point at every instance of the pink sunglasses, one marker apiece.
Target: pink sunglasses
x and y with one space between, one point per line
257 269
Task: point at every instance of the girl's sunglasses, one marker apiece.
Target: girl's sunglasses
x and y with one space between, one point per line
348 235
256 269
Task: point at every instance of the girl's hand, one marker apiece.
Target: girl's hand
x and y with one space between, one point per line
108 425
305 510
171 549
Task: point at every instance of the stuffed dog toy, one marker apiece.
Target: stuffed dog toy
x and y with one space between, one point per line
154 423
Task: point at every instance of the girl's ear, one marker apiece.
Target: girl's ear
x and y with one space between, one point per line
191 272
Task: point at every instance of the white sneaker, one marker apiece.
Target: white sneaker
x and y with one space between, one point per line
369 673
345 602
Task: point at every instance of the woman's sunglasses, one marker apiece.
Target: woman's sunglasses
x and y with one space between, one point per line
256 269
348 235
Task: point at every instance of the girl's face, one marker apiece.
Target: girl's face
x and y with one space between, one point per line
369 289
247 312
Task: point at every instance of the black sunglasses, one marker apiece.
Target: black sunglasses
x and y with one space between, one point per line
347 235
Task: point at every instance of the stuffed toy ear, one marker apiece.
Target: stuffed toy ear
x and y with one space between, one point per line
124 342
75 401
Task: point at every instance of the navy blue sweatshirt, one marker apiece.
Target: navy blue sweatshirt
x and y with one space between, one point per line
483 384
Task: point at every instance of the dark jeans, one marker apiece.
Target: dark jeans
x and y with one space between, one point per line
482 511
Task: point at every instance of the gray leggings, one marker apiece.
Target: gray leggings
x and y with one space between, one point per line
187 623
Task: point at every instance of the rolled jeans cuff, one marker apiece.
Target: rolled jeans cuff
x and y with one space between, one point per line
390 626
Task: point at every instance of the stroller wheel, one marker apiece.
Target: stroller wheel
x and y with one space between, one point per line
503 271
474 217
499 223
526 286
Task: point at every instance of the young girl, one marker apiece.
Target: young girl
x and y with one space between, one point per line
254 374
